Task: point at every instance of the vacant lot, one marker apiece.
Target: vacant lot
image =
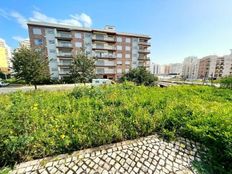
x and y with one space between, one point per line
42 123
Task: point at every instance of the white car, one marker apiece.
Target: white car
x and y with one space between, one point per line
2 84
98 82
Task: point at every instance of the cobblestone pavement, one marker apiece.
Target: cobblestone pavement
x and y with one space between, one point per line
145 155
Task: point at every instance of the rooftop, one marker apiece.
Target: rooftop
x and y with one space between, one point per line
72 27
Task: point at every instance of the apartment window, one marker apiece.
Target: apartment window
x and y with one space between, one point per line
50 31
119 47
37 31
119 62
128 40
78 44
127 62
51 41
119 70
78 35
119 39
127 70
127 48
52 51
128 56
119 55
38 42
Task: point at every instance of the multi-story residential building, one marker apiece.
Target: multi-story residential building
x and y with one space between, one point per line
116 52
207 67
155 68
223 66
5 55
24 43
175 68
190 67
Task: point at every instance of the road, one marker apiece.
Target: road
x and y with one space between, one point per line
5 90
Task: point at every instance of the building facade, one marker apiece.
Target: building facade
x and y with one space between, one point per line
207 66
24 43
116 52
175 68
5 55
190 67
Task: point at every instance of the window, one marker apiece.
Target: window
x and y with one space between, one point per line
119 39
51 41
37 31
127 70
119 47
119 55
50 31
119 62
78 44
78 35
127 62
128 40
128 48
38 42
52 51
128 56
119 70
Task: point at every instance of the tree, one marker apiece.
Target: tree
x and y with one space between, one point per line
226 82
82 68
30 65
140 76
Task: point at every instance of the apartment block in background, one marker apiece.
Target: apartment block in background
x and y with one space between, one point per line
190 67
116 52
24 43
175 68
207 66
5 56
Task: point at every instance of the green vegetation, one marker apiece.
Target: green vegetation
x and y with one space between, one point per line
39 124
82 68
140 76
30 65
226 82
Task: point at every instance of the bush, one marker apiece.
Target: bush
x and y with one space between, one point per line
39 123
226 82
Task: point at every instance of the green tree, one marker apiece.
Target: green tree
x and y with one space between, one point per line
30 65
140 76
83 68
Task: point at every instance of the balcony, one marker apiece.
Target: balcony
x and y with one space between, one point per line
104 56
64 35
64 71
105 38
144 43
105 63
64 54
144 58
105 47
64 63
65 45
145 51
105 71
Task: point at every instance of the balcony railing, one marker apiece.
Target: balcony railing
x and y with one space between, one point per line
144 58
66 45
64 35
65 54
105 38
105 47
144 51
105 63
99 56
65 63
144 43
105 71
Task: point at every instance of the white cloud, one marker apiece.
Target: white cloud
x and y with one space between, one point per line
20 19
80 20
19 38
4 14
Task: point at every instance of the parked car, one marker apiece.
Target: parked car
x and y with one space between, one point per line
2 84
98 82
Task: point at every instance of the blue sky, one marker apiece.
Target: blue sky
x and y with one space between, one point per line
179 28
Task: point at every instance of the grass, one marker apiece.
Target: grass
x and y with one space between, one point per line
39 124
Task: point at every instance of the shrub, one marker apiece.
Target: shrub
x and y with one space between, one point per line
226 82
38 124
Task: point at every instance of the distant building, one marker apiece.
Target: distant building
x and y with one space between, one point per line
190 67
175 68
116 52
5 56
207 66
155 68
24 43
